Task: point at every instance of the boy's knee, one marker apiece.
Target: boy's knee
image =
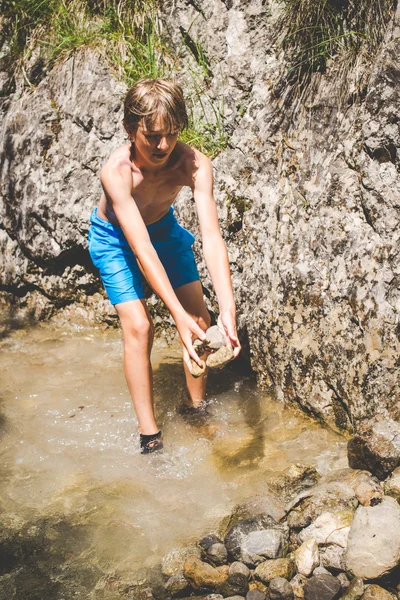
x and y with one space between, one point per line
138 331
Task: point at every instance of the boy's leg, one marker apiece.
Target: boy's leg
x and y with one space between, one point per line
190 296
138 331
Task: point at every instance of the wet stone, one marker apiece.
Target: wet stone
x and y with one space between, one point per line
255 595
376 592
202 575
208 540
376 448
172 563
295 479
392 484
267 504
281 567
176 584
248 540
217 554
238 579
197 370
355 590
322 587
259 545
280 589
307 506
366 487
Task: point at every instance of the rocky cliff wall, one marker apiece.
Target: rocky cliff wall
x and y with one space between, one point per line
308 193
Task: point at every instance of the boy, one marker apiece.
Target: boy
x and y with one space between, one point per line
134 234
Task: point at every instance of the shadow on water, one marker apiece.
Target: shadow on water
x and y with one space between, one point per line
10 322
38 561
236 380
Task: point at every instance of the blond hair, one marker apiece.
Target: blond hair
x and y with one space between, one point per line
150 99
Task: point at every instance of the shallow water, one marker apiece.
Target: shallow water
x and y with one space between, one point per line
70 463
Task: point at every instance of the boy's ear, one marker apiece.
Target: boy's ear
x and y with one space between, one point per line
131 131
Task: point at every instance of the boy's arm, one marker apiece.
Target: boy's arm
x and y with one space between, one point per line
117 185
214 249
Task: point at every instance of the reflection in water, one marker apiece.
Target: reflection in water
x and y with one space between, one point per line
78 500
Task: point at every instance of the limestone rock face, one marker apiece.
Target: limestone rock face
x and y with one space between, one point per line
307 195
373 547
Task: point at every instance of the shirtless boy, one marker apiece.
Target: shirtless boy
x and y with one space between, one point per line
134 234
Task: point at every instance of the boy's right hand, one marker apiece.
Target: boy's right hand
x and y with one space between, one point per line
189 331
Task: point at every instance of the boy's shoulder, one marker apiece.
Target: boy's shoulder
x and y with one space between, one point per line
120 156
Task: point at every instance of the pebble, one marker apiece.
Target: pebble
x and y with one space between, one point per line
281 567
322 587
218 554
307 557
255 595
376 592
280 589
355 590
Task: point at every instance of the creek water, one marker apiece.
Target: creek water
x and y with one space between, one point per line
76 495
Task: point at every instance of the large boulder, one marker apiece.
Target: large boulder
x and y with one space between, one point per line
373 547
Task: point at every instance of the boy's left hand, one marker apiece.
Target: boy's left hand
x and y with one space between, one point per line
227 323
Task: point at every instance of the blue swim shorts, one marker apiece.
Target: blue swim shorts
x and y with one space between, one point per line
118 267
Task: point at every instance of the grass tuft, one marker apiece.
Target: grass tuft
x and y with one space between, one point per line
314 31
34 34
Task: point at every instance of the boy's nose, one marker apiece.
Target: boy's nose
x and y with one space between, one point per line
162 144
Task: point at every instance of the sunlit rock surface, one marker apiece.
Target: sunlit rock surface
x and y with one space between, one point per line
307 192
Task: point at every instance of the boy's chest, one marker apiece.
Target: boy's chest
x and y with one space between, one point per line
156 190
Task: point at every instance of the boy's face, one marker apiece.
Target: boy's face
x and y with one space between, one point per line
155 145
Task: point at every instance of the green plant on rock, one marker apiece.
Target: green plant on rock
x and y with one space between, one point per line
128 36
314 31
